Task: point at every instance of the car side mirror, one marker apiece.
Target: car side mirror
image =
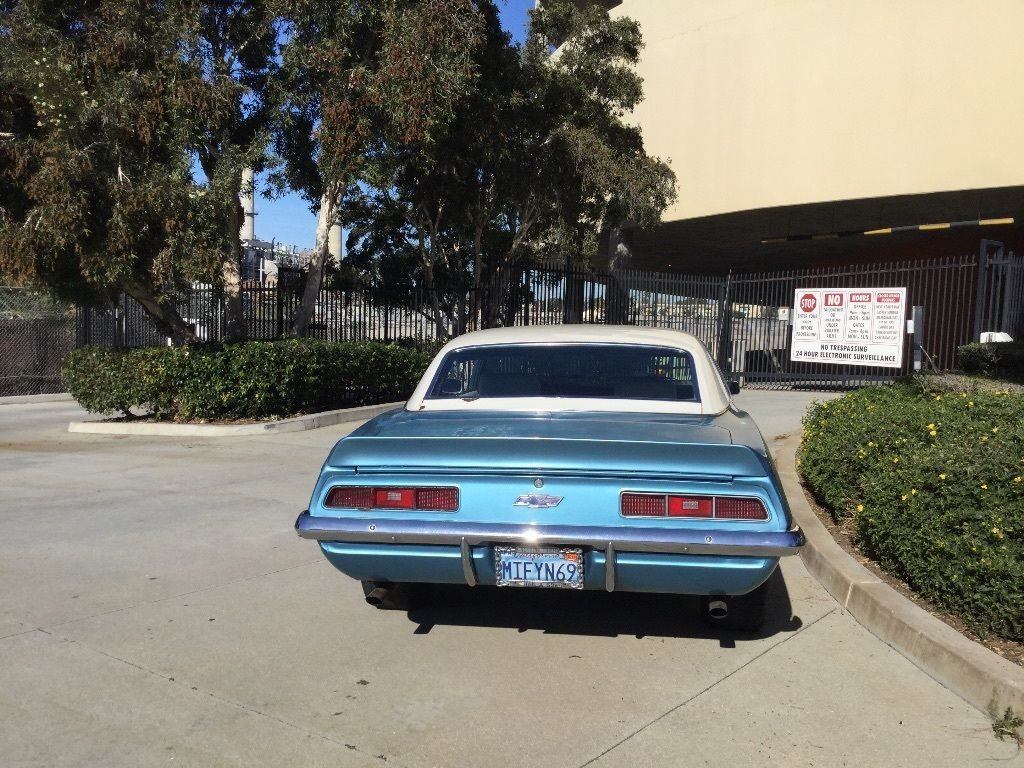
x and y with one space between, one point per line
734 387
451 387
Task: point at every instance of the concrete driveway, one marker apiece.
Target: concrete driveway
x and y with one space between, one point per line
157 609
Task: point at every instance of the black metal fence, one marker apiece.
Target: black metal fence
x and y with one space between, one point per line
743 319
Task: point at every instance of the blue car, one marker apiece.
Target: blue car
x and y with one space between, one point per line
560 457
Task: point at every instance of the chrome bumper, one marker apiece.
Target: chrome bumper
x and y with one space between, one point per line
681 541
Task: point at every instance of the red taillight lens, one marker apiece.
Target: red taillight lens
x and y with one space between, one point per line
740 509
705 507
439 499
347 496
359 497
394 498
691 506
643 505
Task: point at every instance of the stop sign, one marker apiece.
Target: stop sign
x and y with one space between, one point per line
808 302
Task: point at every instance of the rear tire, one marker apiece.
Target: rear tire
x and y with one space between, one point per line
745 613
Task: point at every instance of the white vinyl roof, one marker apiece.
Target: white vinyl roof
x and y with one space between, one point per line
714 395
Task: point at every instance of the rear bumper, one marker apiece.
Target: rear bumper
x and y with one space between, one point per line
732 543
628 558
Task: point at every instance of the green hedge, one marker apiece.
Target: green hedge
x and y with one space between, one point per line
933 483
253 380
1003 360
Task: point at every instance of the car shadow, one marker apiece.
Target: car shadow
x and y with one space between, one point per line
594 613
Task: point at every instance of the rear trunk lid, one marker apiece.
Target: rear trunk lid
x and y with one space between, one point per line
566 444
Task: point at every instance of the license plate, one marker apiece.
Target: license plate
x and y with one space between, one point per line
560 567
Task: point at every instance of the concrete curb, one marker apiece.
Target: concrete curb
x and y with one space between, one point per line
56 397
981 677
296 424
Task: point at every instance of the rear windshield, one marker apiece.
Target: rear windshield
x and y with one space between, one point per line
616 371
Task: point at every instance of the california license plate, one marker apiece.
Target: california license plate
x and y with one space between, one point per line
539 567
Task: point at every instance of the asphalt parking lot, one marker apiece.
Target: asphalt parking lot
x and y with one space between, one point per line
157 609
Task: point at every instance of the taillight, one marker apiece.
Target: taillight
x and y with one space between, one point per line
362 497
443 499
344 496
740 508
691 506
643 505
706 507
394 498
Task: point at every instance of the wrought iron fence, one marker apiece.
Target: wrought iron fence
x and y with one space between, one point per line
741 318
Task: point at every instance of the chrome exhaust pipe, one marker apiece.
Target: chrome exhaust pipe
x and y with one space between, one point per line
717 609
378 596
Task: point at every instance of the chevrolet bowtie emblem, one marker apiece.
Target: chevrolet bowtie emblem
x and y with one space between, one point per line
537 501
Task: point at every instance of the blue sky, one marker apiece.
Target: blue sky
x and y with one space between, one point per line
288 219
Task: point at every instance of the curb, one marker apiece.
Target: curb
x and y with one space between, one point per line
296 424
55 397
981 677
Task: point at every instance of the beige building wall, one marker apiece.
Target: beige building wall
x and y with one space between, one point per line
761 103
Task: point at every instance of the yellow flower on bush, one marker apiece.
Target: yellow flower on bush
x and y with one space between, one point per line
1017 479
903 497
933 433
895 459
930 426
942 475
913 491
860 507
984 486
994 430
970 404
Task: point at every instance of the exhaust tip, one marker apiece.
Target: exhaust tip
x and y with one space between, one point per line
717 609
377 596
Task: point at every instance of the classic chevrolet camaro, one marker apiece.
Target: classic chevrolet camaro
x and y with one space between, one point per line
574 457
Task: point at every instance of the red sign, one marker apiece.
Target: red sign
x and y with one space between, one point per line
808 302
833 299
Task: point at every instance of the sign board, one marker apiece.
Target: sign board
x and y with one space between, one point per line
849 326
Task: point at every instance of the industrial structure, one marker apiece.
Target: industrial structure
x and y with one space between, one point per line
264 260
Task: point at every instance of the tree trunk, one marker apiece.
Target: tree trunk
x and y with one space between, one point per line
165 315
231 277
478 268
435 303
315 273
620 259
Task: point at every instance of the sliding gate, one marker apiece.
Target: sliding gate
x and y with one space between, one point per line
744 319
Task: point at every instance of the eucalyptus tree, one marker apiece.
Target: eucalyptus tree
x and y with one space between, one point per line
230 49
539 159
357 76
96 193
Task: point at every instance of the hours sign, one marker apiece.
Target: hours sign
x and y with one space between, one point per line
849 326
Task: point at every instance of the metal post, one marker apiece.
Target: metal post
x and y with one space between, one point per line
979 302
725 327
279 309
917 318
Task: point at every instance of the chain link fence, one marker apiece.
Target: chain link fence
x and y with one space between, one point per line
36 334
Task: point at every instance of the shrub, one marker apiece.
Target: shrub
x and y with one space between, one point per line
253 380
933 483
1004 360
